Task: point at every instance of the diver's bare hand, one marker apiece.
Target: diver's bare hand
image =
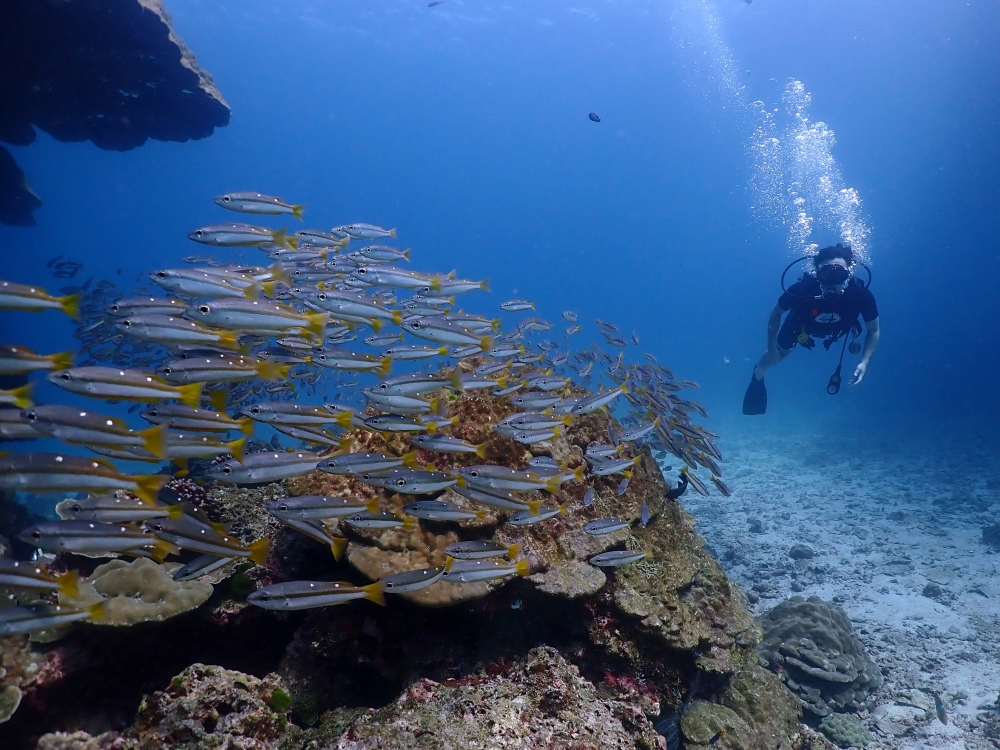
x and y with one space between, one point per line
859 373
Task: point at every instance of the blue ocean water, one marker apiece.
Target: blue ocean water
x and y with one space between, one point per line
466 127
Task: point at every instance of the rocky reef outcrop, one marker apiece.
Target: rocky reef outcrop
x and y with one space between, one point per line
533 661
109 71
810 643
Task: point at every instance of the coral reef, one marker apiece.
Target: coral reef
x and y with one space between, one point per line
812 646
139 591
845 730
541 701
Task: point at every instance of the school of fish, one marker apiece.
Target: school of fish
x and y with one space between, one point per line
221 348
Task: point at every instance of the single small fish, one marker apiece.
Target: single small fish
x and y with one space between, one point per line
412 351
447 444
516 305
319 507
477 550
127 306
201 566
318 531
35 299
359 231
496 499
435 3
574 329
358 463
606 526
83 427
316 238
617 557
19 360
407 481
309 594
112 383
289 413
593 117
528 517
646 516
192 419
622 487
394 423
722 732
722 486
257 203
613 466
440 510
174 331
29 576
54 472
469 571
236 235
383 520
411 580
206 539
95 539
261 468
700 487
37 617
595 401
939 709
111 509
598 451
588 498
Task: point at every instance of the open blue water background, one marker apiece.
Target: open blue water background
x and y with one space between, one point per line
465 126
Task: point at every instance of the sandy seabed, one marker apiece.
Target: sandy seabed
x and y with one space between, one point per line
895 524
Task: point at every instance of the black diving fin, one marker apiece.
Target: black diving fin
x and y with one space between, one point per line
755 400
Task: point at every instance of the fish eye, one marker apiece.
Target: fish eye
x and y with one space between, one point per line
199 232
167 370
283 506
226 199
400 482
255 410
36 534
31 416
204 309
227 469
416 324
127 323
473 474
321 296
76 508
161 274
264 597
65 376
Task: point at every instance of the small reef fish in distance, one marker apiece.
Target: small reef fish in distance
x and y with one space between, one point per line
593 117
238 235
411 580
37 617
257 203
435 3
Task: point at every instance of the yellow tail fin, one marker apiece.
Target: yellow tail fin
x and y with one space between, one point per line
512 551
372 506
70 305
481 449
484 285
343 419
252 291
162 548
410 459
259 551
21 396
553 484
376 324
218 399
238 448
297 210
456 381
523 567
392 233
374 593
228 340
385 367
534 506
317 323
280 237
98 612
269 288
176 512
246 426
155 440
69 584
338 547
269 370
148 487
406 255
62 360
397 317
190 395
486 343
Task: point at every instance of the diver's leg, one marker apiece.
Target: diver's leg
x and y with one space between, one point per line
784 343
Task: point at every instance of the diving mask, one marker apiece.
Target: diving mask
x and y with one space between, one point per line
832 274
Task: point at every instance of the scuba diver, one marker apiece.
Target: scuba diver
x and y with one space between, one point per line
825 304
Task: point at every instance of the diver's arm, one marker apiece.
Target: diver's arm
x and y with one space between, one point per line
871 344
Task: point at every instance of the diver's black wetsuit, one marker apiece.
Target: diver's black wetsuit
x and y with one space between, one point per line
827 316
